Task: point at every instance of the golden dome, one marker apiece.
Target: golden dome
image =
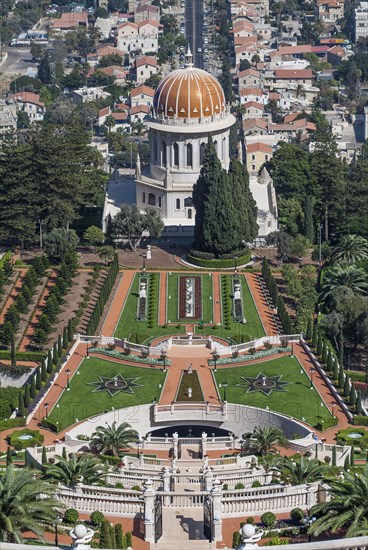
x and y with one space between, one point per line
189 93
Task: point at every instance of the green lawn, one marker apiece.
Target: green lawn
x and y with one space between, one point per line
189 381
240 332
298 400
173 298
79 402
139 331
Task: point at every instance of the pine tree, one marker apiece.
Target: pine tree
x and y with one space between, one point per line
49 362
21 411
38 380
119 536
314 337
308 334
33 390
346 386
341 379
9 458
352 458
319 345
334 457
43 371
27 396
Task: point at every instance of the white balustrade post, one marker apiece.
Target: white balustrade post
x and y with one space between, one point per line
175 444
204 444
208 480
216 493
149 511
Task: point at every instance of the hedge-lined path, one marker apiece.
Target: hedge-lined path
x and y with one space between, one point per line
13 294
181 357
26 340
216 298
6 362
117 304
162 298
261 304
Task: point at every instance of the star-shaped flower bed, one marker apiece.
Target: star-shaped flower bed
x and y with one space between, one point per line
263 384
115 385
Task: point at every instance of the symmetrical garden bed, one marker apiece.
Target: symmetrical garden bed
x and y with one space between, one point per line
190 297
189 380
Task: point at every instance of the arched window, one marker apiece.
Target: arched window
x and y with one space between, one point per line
164 157
188 202
215 145
143 197
190 155
201 152
190 213
177 204
160 202
223 149
152 199
176 155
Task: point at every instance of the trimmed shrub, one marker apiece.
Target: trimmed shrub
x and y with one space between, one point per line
71 516
96 518
35 441
218 263
268 519
239 486
296 515
49 425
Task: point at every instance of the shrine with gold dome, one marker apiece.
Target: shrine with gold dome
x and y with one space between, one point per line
189 105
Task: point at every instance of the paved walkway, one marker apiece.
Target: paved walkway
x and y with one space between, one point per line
263 309
114 312
162 300
217 298
13 294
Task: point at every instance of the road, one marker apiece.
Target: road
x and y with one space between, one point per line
194 29
17 62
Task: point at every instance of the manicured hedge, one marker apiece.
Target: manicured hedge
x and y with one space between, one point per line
356 376
12 423
49 425
9 399
217 263
103 297
360 420
36 356
270 281
19 444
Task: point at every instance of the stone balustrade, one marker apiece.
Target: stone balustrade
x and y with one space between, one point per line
205 412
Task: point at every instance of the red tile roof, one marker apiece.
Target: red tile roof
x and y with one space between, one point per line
139 109
290 74
146 60
27 97
258 146
146 90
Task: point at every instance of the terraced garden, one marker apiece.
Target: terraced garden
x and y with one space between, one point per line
177 301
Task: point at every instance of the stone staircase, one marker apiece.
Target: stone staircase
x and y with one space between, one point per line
183 529
190 545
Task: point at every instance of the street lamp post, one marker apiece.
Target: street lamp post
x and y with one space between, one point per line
40 223
87 350
67 372
224 385
333 405
138 448
236 263
312 371
320 245
46 405
163 358
292 348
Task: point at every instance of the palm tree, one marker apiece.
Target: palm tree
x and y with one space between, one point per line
271 463
110 439
70 471
348 276
263 441
21 508
350 250
348 507
304 470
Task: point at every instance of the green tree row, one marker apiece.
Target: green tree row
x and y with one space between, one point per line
277 299
113 536
103 297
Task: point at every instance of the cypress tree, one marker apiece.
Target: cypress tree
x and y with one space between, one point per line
128 538
352 458
64 455
347 463
27 396
334 457
21 411
308 219
346 386
55 357
105 539
70 330
330 361
65 338
43 370
308 334
38 380
60 347
341 379
244 205
13 355
359 402
314 337
352 396
49 362
112 536
32 390
319 345
44 456
119 536
335 369
325 351
9 458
